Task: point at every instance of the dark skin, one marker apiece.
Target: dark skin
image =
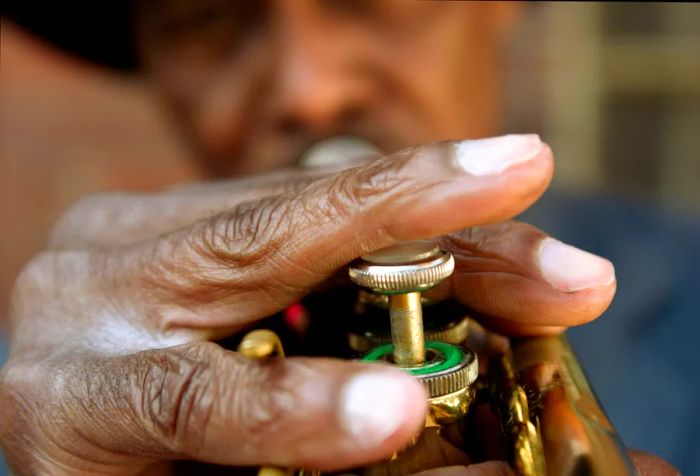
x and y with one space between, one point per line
112 370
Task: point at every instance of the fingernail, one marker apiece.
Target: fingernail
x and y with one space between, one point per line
493 156
570 269
373 407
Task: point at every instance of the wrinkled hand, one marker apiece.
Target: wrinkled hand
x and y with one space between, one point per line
111 371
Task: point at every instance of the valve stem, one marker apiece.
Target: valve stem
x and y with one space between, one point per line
406 315
402 272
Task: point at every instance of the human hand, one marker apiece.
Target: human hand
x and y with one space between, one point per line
111 370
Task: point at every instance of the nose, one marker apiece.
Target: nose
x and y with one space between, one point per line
318 85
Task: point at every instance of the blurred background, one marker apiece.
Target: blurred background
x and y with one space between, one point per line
613 87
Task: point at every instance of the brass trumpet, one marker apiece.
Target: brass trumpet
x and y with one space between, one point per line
550 421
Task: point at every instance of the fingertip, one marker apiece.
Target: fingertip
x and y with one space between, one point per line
648 464
480 181
328 414
382 409
547 156
571 269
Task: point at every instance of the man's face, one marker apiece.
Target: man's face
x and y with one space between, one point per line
255 84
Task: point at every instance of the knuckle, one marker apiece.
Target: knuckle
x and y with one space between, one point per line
354 190
70 221
84 222
16 382
7 403
49 277
262 402
25 428
230 252
177 397
34 279
36 267
249 233
186 404
295 185
10 412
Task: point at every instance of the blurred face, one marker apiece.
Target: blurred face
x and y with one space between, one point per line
255 84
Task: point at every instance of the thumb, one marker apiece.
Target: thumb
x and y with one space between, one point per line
199 401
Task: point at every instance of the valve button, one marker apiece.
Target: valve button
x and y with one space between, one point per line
403 253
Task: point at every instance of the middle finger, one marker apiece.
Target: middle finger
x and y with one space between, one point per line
521 281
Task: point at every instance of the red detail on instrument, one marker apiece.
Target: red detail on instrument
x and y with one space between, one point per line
295 316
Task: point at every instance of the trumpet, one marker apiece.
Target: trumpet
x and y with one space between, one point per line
547 418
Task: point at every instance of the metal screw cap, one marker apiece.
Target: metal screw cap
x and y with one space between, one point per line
458 377
402 268
448 368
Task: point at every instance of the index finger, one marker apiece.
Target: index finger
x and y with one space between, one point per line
119 218
259 257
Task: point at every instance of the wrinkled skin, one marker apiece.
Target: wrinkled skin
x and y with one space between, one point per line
111 369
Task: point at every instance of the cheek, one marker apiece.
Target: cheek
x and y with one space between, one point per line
210 104
205 115
421 98
217 122
225 107
422 105
446 74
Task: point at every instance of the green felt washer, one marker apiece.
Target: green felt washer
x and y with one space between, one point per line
447 356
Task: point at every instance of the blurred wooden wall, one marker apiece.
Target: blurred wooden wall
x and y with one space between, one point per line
615 88
67 129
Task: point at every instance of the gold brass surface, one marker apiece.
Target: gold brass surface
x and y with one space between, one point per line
261 344
396 275
454 333
405 267
272 471
577 436
521 436
432 449
382 300
458 376
404 252
550 421
447 409
401 271
550 418
407 329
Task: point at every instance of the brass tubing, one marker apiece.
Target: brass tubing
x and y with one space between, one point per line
577 436
407 329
